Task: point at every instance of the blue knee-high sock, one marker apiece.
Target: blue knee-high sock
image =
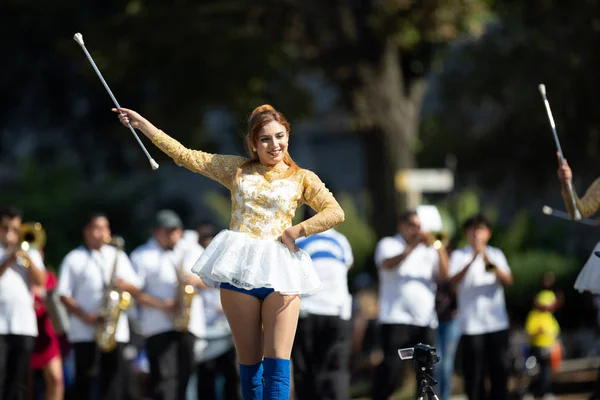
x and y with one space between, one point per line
277 379
251 381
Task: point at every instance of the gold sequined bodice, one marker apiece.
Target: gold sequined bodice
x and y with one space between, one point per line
264 199
588 205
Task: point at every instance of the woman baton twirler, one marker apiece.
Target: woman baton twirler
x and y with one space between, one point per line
256 261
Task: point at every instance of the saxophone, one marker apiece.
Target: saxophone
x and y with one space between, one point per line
185 295
115 301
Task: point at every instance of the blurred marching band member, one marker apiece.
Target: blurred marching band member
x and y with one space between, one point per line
447 335
218 358
409 268
256 263
19 271
46 355
164 266
206 232
83 278
321 352
480 273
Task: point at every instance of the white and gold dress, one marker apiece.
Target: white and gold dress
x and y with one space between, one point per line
589 276
264 199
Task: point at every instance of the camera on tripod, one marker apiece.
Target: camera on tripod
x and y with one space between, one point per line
424 357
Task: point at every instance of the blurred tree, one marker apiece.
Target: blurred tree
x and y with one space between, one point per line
174 61
378 52
487 109
60 199
171 62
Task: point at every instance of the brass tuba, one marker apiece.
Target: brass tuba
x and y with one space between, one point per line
185 295
115 302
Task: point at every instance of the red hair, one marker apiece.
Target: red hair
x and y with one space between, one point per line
261 116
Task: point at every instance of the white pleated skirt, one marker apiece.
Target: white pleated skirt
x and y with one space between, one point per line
589 276
250 263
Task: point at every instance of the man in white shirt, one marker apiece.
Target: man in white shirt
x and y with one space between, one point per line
321 352
158 263
409 267
18 323
479 272
219 357
84 276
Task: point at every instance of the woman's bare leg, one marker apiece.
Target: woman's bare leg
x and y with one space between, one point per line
53 377
243 314
280 319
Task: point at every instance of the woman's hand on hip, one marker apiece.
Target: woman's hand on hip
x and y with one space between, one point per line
289 236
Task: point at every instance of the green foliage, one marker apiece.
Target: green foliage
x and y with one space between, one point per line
60 197
488 110
360 234
220 206
528 268
456 209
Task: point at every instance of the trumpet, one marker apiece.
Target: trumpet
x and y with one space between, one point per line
32 236
438 239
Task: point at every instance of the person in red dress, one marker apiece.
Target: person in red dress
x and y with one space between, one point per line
46 355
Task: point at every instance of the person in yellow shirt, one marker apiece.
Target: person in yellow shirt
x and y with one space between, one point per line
543 330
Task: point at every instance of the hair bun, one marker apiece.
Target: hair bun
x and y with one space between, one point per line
262 109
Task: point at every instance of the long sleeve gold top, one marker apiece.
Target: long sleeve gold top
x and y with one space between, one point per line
588 205
264 199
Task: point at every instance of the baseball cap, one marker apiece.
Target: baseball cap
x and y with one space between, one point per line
167 219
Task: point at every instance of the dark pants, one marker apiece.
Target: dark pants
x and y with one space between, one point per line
486 353
171 356
543 383
15 355
107 369
207 372
321 358
389 373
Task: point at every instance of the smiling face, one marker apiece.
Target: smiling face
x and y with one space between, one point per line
271 144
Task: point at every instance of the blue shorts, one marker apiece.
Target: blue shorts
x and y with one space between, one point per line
259 293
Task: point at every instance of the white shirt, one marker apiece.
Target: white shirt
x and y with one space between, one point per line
17 315
480 295
84 275
407 291
156 269
332 256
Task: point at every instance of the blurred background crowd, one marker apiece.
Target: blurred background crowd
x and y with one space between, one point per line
395 104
